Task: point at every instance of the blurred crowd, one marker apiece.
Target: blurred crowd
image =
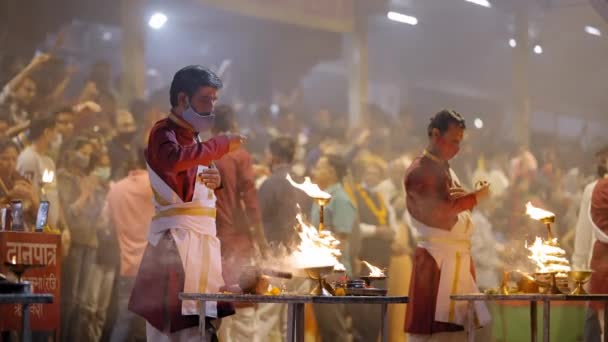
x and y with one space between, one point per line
57 119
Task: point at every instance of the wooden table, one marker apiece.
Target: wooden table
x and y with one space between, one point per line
295 307
533 298
25 299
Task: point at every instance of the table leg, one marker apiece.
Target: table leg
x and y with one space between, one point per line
202 320
26 332
299 323
471 321
291 321
605 322
546 319
383 323
533 322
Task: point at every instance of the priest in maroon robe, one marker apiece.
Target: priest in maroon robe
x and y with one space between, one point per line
438 209
599 258
180 168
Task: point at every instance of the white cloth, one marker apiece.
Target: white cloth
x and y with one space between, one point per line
583 236
452 253
194 235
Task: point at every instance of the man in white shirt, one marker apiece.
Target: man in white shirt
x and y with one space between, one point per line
33 161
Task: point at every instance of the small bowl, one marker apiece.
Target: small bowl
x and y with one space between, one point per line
580 276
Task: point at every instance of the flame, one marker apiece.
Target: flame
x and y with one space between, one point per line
14 260
537 213
373 270
548 256
48 176
316 249
311 189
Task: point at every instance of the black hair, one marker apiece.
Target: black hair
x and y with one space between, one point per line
7 143
338 164
80 141
61 110
224 118
189 79
444 119
39 125
283 148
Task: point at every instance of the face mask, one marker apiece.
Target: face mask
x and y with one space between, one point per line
81 161
200 122
102 173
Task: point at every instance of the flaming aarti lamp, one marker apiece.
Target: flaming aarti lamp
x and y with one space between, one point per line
375 273
321 197
544 216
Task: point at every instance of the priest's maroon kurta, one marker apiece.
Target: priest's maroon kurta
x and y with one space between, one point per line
427 184
599 258
174 156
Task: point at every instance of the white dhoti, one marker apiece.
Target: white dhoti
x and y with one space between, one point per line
192 227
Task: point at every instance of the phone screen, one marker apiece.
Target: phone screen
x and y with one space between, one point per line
43 215
17 216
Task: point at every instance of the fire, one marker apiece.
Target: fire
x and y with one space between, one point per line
373 270
538 213
548 256
316 249
311 189
14 260
48 176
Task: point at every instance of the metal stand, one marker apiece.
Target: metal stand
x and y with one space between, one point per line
383 323
546 319
533 323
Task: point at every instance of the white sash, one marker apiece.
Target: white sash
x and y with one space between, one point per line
452 253
192 226
597 232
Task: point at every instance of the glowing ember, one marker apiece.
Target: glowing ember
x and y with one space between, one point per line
48 176
538 213
311 189
548 257
373 270
316 249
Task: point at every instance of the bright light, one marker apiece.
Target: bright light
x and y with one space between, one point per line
512 42
107 35
157 20
538 49
484 3
478 123
594 31
402 18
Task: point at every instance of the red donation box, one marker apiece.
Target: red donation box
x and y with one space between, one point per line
35 249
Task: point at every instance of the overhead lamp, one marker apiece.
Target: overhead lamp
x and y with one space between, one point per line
402 18
157 20
512 42
484 3
594 31
538 49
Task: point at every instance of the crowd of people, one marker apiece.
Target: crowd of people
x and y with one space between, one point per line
102 202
